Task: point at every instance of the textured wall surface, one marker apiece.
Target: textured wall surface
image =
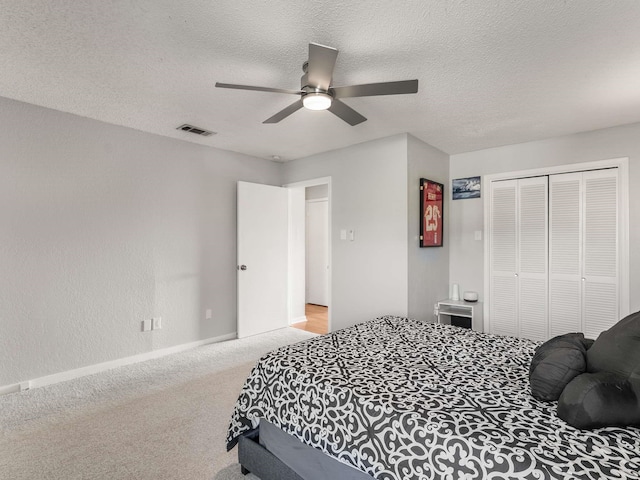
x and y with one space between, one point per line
368 195
428 268
102 227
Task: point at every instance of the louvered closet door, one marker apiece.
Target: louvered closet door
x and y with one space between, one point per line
532 258
565 253
583 252
503 312
600 266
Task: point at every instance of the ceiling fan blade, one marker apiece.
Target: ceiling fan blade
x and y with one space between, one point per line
284 113
346 113
371 89
259 89
320 68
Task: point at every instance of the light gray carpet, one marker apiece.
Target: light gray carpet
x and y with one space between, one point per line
161 419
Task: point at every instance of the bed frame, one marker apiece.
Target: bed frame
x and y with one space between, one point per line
256 459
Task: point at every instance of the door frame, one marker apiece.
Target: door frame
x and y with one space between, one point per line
622 164
296 225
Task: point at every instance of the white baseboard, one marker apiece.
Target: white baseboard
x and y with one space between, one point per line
101 367
9 389
298 320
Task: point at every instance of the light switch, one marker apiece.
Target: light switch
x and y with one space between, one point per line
477 235
352 235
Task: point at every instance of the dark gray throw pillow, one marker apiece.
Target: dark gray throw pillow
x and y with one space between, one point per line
555 363
617 350
595 400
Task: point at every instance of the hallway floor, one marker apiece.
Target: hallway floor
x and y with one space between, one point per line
317 319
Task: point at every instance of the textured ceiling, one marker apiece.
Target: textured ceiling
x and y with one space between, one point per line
491 72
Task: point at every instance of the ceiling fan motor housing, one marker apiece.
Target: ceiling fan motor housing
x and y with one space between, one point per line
304 79
306 87
313 98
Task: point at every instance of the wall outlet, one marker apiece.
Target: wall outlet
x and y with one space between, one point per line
156 323
24 386
208 314
146 326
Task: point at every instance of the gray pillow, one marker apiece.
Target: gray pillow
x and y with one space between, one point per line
594 400
617 350
555 363
609 394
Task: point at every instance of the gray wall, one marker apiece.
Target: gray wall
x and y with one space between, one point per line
428 268
102 227
466 259
368 194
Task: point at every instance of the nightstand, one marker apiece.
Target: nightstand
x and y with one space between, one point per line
460 313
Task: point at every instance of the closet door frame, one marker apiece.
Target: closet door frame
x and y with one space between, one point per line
622 164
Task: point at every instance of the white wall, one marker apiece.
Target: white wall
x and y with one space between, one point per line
428 268
466 259
102 227
369 195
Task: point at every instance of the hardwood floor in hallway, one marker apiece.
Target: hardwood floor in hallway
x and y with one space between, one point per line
317 319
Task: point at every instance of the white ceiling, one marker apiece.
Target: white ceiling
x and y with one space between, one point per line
491 72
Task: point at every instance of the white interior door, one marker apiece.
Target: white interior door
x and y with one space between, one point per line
262 258
317 252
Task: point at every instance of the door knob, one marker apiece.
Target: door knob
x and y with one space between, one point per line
242 267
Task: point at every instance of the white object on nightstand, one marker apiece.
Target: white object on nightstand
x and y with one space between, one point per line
455 292
470 296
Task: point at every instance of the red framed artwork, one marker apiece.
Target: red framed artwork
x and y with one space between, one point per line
431 214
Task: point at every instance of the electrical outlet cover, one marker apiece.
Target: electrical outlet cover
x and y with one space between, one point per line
157 323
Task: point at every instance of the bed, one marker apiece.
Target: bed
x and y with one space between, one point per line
401 399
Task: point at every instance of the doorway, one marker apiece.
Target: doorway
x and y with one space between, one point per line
317 249
310 255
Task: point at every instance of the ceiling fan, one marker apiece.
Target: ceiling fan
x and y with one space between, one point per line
317 93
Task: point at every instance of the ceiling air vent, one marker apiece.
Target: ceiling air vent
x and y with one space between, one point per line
198 131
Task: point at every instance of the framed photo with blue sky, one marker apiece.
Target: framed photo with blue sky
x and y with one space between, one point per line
463 188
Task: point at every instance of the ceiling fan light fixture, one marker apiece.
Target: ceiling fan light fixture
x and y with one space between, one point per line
317 101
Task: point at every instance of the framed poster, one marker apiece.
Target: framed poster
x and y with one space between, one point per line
431 196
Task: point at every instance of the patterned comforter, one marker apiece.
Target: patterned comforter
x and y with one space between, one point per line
402 399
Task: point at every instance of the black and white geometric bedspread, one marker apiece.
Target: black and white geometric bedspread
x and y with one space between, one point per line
402 399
